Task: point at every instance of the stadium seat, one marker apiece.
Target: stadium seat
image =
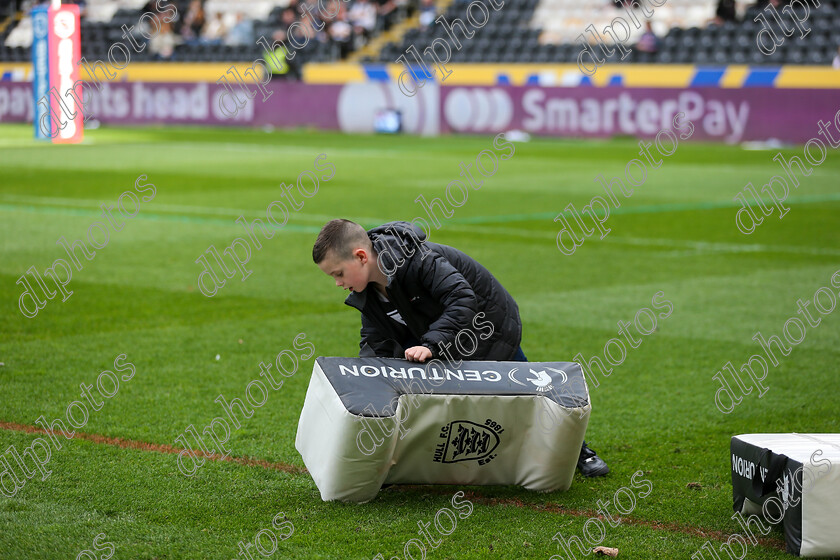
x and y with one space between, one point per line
543 57
508 57
720 57
739 57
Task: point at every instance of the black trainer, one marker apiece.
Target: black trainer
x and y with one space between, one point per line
590 464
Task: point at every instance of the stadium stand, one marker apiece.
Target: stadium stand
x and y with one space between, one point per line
523 31
102 22
544 31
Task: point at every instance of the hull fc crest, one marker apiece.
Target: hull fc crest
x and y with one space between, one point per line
463 440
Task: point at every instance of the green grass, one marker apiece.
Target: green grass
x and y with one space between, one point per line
138 296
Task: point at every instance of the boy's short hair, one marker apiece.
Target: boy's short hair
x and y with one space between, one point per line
341 236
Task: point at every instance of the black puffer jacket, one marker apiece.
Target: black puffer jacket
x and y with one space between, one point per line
438 290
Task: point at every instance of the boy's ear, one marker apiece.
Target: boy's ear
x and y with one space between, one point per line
361 254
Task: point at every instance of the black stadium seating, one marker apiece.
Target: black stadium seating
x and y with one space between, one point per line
508 37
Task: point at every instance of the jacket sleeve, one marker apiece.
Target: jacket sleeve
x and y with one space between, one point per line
451 289
373 344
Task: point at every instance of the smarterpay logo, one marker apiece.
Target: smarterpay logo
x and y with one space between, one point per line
478 109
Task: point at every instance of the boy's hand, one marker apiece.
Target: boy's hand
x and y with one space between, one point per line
418 354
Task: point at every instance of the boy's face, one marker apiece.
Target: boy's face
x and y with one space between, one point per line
350 274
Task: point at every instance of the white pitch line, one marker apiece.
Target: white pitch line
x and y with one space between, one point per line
689 247
693 246
93 205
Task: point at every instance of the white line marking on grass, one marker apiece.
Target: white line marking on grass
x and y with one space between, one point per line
646 209
687 248
285 149
93 206
690 247
694 248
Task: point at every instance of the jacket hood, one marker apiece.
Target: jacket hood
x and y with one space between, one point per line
397 238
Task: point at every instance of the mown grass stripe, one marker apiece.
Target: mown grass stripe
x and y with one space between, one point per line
58 205
647 209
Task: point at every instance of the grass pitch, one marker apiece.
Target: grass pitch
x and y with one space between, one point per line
138 297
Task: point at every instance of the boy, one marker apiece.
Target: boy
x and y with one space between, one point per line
416 296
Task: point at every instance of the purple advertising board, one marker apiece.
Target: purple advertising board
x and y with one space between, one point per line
188 103
728 115
718 114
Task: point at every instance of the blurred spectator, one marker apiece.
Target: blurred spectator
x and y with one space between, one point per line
214 31
428 13
162 45
648 42
193 22
313 20
387 10
81 3
354 23
153 26
340 31
242 32
300 34
287 18
725 12
836 62
407 7
277 63
363 18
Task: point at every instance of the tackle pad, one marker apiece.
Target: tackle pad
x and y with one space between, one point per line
792 480
373 421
